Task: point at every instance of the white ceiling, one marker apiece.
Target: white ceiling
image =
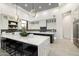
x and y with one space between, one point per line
37 6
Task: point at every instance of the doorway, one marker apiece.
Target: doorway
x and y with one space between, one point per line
68 27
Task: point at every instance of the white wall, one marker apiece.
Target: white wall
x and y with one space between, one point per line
42 23
51 26
64 23
0 24
33 26
68 27
68 20
47 15
9 9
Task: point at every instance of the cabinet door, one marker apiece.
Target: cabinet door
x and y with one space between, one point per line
19 25
43 23
0 22
4 23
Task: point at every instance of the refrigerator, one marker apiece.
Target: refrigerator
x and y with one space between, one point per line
75 31
0 38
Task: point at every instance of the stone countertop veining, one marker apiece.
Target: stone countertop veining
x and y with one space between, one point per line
30 39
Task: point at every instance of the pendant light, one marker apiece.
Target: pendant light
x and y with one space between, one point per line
33 11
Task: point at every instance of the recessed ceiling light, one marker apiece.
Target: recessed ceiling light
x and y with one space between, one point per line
26 5
49 3
40 7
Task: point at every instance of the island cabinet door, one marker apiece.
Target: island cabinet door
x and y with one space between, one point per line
44 48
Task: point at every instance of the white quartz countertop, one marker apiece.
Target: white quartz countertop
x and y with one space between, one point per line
30 39
40 32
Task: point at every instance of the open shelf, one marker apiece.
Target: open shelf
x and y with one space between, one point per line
12 25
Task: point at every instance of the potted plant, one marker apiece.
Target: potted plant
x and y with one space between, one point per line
23 32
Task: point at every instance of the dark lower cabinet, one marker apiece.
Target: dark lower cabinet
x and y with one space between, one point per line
15 48
30 50
50 35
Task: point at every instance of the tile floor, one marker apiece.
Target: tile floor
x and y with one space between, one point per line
3 53
64 47
61 47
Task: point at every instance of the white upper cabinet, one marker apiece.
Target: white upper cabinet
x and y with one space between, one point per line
3 22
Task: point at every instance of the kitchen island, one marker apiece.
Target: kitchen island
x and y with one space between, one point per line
42 42
50 34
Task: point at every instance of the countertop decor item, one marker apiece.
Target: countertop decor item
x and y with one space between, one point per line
23 32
